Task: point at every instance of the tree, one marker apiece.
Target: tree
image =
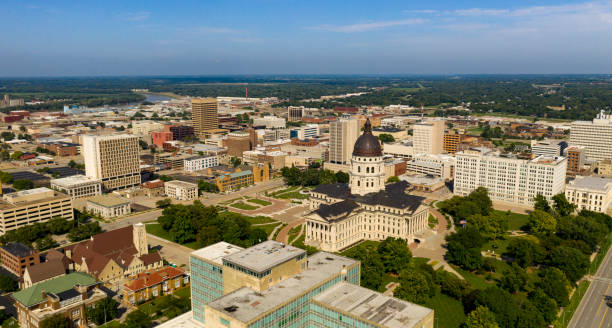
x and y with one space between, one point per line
394 254
182 230
7 136
562 206
16 155
292 175
4 155
235 161
467 258
554 283
103 311
23 184
205 186
393 179
138 319
501 303
545 304
491 226
481 317
541 203
386 138
452 286
56 321
413 287
569 260
5 177
58 225
342 177
45 243
163 203
8 284
514 279
525 251
143 145
541 222
480 196
165 178
84 231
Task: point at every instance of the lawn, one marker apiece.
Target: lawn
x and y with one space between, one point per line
110 324
475 130
475 280
448 311
156 229
498 245
294 233
260 219
160 306
432 221
259 201
293 195
515 220
568 312
268 228
299 243
244 206
278 192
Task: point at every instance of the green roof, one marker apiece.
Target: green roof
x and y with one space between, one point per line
33 295
240 174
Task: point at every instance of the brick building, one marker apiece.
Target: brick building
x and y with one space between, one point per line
149 285
159 137
16 257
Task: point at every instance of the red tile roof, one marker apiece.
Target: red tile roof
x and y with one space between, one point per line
148 279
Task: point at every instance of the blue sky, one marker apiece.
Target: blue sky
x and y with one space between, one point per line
68 38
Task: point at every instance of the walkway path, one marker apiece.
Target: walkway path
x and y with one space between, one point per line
299 234
283 235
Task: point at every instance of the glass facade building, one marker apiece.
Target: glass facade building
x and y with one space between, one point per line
206 285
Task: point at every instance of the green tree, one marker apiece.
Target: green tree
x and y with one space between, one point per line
8 284
7 136
541 222
163 203
393 179
569 260
5 177
143 145
524 251
490 226
481 317
514 279
501 303
103 311
182 230
386 138
342 177
292 175
545 304
56 321
327 177
165 178
23 184
205 186
554 283
235 161
541 203
84 231
16 155
394 254
138 319
414 287
562 206
59 225
45 243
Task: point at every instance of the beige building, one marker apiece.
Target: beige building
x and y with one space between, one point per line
342 137
604 168
108 206
438 165
181 190
595 136
26 207
78 186
399 150
428 137
507 178
113 160
590 193
204 115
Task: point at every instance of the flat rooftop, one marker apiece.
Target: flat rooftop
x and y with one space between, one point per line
372 306
181 184
184 320
246 304
591 182
264 256
216 252
108 200
74 180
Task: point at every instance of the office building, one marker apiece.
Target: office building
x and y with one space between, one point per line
112 159
428 137
451 140
159 137
342 137
575 160
439 165
145 128
400 150
26 207
181 190
307 131
204 115
109 206
590 193
180 132
238 142
545 148
17 257
243 178
508 178
295 113
200 163
595 136
69 295
270 122
77 186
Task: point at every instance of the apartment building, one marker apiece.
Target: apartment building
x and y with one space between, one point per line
590 193
575 159
272 285
181 190
451 140
204 115
595 136
77 186
200 163
112 159
508 178
26 207
428 137
17 257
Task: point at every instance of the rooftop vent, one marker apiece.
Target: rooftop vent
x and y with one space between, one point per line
232 308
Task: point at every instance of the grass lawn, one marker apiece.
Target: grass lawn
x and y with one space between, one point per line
292 195
268 228
261 219
259 201
299 243
448 311
294 233
600 256
499 245
568 312
475 130
432 221
278 231
110 324
244 206
156 229
515 220
278 192
183 292
477 281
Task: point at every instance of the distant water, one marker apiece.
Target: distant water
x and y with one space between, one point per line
156 98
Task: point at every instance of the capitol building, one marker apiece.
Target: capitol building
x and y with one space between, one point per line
365 209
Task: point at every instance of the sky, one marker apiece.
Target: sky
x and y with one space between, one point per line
209 37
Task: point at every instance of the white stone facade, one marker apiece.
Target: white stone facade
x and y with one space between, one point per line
200 163
181 190
595 136
367 174
590 193
77 186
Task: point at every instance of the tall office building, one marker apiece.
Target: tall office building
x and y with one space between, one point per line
342 137
595 136
112 159
428 137
508 178
204 115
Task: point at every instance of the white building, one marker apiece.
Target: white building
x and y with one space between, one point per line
77 186
342 136
108 206
365 209
507 178
428 137
112 159
307 131
270 122
590 193
181 190
438 165
400 150
200 163
545 148
595 136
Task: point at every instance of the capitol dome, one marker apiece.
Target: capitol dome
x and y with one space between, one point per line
367 145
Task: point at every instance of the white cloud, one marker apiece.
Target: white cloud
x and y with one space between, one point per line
135 17
363 27
481 12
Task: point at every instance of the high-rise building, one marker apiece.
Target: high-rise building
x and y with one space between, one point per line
270 122
575 159
451 140
204 115
595 136
428 137
342 137
238 142
112 159
295 113
508 178
180 132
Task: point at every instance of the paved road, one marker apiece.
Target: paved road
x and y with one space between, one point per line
593 311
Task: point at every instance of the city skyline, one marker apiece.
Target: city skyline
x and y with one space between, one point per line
268 37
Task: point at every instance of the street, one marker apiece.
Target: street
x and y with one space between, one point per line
593 310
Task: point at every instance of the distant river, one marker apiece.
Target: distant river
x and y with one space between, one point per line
156 98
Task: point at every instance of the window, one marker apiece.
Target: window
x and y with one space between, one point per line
224 322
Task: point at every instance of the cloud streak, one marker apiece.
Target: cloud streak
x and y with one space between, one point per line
364 27
135 17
